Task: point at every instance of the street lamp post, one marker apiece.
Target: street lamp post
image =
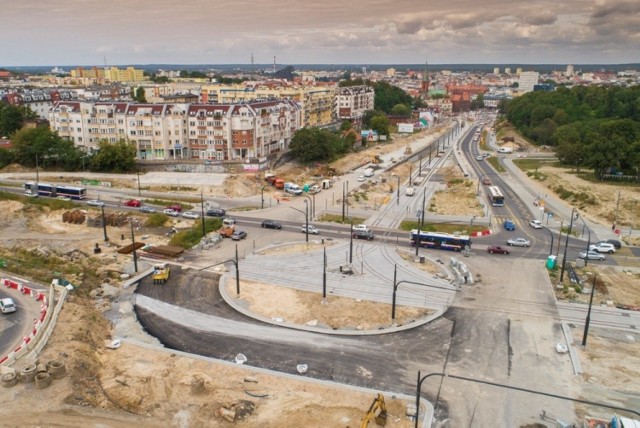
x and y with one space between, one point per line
235 262
324 275
310 204
566 244
398 199
262 195
133 244
351 241
139 192
204 231
588 241
588 320
395 288
306 217
550 234
104 225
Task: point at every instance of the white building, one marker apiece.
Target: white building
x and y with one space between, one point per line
527 80
353 101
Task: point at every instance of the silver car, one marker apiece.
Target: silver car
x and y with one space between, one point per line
519 242
95 203
191 214
591 255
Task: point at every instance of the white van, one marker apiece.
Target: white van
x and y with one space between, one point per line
368 172
505 150
292 188
410 191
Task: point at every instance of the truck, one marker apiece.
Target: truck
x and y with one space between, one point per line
292 188
505 150
160 273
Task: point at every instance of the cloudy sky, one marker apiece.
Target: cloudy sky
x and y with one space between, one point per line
84 32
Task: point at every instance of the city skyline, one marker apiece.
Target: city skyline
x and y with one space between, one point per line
77 32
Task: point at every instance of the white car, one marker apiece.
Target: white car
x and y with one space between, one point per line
7 306
171 213
361 227
95 203
536 224
603 247
519 242
312 229
361 178
191 214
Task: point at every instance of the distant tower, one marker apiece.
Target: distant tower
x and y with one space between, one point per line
425 81
569 70
274 64
105 61
251 62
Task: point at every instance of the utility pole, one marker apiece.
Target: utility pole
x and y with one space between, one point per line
617 209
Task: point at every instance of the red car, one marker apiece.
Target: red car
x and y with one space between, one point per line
175 207
496 249
133 203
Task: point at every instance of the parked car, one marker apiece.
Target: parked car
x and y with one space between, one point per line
146 209
410 191
238 235
191 214
216 212
7 306
171 213
479 157
361 178
271 224
496 249
519 242
228 221
312 229
536 224
617 244
133 203
362 227
486 181
95 203
175 207
591 255
603 247
509 225
363 234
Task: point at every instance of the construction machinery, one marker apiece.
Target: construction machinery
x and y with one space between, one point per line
408 150
160 273
375 159
377 411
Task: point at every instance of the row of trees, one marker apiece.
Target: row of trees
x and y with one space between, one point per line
592 126
46 148
387 97
12 118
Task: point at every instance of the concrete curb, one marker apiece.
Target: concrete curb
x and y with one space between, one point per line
233 302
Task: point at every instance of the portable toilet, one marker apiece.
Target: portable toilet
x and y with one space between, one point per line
551 262
305 188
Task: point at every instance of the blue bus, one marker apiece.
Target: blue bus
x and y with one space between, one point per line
54 190
440 240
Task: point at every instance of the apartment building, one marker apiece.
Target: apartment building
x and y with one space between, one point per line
38 101
316 101
352 101
527 81
158 130
228 132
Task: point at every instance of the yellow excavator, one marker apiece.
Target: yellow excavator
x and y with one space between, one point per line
160 273
377 411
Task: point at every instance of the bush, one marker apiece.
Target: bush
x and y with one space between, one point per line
156 220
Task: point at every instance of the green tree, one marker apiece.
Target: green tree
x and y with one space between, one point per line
478 102
139 96
346 125
368 116
316 145
401 110
11 119
51 150
380 124
114 157
6 157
